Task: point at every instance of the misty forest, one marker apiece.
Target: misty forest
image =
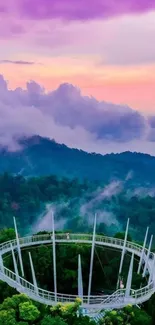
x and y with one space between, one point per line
74 203
32 197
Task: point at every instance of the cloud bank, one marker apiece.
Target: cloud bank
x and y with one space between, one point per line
20 62
71 118
75 9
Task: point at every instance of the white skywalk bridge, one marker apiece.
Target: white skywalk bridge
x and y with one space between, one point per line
93 304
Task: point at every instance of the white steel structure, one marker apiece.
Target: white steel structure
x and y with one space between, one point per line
93 304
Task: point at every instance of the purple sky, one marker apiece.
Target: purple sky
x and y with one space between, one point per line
79 71
75 9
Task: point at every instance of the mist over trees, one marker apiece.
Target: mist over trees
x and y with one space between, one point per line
74 203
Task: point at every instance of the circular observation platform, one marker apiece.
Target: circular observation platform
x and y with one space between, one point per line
94 304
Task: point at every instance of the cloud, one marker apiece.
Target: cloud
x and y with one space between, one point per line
44 222
125 40
11 28
96 203
101 194
19 116
71 118
141 192
128 38
69 108
105 41
77 10
20 62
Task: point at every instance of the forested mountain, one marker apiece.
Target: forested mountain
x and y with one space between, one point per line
44 176
41 156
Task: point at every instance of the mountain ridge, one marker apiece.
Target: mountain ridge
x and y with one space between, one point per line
42 156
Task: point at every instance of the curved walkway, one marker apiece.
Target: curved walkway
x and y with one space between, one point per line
97 303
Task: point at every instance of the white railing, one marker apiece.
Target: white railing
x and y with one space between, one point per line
96 302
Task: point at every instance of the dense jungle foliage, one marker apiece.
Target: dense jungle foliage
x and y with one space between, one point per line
20 310
74 203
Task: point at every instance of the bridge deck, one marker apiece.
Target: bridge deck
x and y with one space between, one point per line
97 303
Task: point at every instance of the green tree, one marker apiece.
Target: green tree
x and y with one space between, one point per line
49 320
141 318
126 316
6 291
7 234
84 321
28 312
8 317
14 302
68 311
121 235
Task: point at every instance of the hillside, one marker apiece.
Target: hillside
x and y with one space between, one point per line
41 156
78 184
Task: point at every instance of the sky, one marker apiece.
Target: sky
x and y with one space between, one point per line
79 71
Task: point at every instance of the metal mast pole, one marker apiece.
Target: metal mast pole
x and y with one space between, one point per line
147 257
18 247
123 252
80 282
15 265
91 261
54 259
1 264
142 253
129 280
152 271
33 274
